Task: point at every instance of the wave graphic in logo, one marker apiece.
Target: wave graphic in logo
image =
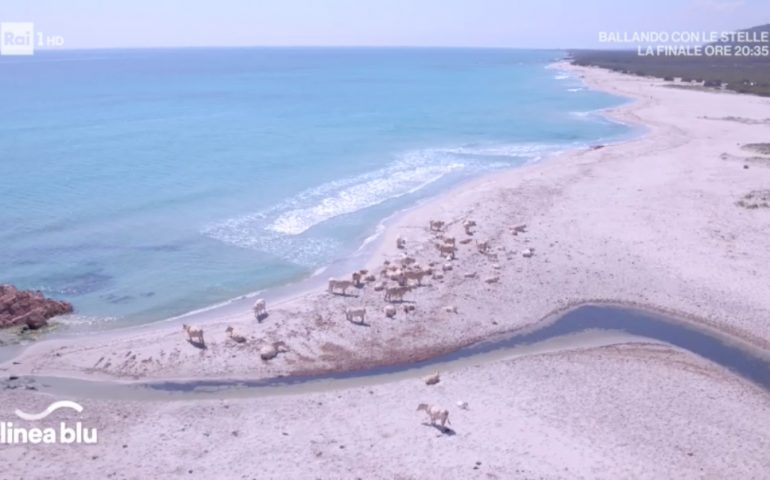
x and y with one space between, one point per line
51 408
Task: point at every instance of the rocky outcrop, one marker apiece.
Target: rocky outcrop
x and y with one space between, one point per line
22 307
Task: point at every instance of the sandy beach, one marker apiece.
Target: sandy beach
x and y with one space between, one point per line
654 222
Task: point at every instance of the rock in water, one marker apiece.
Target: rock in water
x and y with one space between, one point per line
23 307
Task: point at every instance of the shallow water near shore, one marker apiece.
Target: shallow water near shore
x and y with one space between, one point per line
583 327
149 183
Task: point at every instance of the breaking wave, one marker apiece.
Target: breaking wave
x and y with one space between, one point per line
285 229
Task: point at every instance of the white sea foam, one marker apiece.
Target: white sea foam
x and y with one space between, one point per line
76 320
512 150
587 114
561 77
282 230
573 90
400 179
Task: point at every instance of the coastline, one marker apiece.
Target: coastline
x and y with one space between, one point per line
650 222
389 344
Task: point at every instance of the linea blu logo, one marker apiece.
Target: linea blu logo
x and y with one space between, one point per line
64 433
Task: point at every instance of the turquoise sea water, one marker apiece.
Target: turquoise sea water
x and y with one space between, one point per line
140 184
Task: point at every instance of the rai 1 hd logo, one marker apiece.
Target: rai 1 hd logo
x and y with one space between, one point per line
20 38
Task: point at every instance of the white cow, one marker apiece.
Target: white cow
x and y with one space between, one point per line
396 293
234 336
435 413
194 334
437 225
271 350
339 285
446 250
417 275
260 309
352 313
432 379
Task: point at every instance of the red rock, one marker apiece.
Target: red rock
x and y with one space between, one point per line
21 307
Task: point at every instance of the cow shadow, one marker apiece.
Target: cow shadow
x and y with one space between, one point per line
338 294
198 345
444 430
360 324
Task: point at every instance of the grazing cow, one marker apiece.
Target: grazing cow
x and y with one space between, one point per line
389 311
517 229
409 308
528 252
483 247
446 250
462 404
271 350
356 279
491 280
194 334
398 277
450 309
437 225
417 275
396 293
352 313
406 261
260 309
432 379
447 267
234 336
339 285
450 241
400 243
435 413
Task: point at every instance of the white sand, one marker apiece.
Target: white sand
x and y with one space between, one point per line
650 222
635 411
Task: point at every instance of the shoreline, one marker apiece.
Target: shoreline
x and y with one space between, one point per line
405 222
104 322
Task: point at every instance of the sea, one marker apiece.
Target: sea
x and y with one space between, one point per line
143 184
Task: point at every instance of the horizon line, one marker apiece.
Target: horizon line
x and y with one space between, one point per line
352 47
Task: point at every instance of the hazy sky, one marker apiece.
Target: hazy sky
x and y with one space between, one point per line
502 23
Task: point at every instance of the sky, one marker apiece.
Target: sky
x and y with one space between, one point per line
449 23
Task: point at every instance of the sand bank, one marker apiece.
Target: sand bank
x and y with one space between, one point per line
631 411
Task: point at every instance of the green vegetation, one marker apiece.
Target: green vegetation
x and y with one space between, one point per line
743 74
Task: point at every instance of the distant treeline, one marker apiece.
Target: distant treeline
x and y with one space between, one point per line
743 74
